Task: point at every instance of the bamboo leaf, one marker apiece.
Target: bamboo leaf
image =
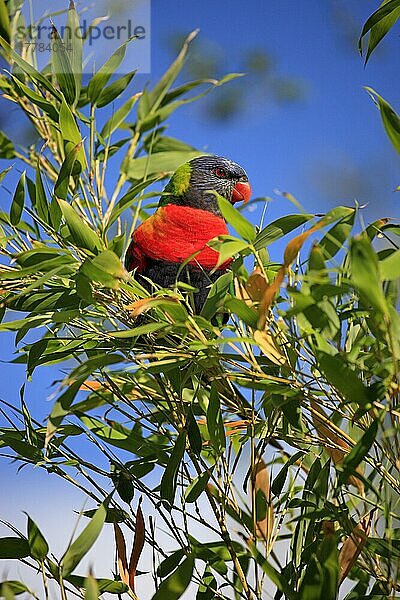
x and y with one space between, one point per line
264 508
215 424
100 79
5 27
197 487
6 146
244 228
118 117
365 273
81 546
37 543
14 547
138 544
70 133
378 24
174 586
277 229
17 204
359 451
91 589
82 234
116 88
170 476
390 119
353 545
389 267
10 588
121 554
30 71
73 44
61 67
62 183
106 268
159 163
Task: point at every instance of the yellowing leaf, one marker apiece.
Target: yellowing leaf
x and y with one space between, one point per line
256 285
121 554
269 296
267 344
264 525
353 546
138 543
324 428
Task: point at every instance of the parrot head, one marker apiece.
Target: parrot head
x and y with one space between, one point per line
194 182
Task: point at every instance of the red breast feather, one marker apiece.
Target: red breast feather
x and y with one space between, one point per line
173 234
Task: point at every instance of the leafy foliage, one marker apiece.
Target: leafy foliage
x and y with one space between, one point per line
292 399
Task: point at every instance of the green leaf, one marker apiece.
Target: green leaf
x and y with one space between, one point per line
344 379
390 119
215 424
193 431
389 267
170 476
244 228
41 205
359 452
197 487
139 330
381 28
61 408
82 234
6 146
73 44
216 295
92 364
12 587
18 200
334 239
170 563
208 586
106 268
116 88
91 589
174 586
14 547
100 79
321 575
71 134
242 310
30 71
5 27
227 247
61 67
378 24
37 543
8 593
118 117
365 273
81 546
160 162
62 184
24 91
279 480
277 229
388 548
129 198
150 101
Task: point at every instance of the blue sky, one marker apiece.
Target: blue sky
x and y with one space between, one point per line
327 148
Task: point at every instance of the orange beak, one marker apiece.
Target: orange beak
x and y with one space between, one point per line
241 191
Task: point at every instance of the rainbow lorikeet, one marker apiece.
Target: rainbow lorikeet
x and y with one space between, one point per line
186 219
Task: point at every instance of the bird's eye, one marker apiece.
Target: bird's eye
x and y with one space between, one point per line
220 172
